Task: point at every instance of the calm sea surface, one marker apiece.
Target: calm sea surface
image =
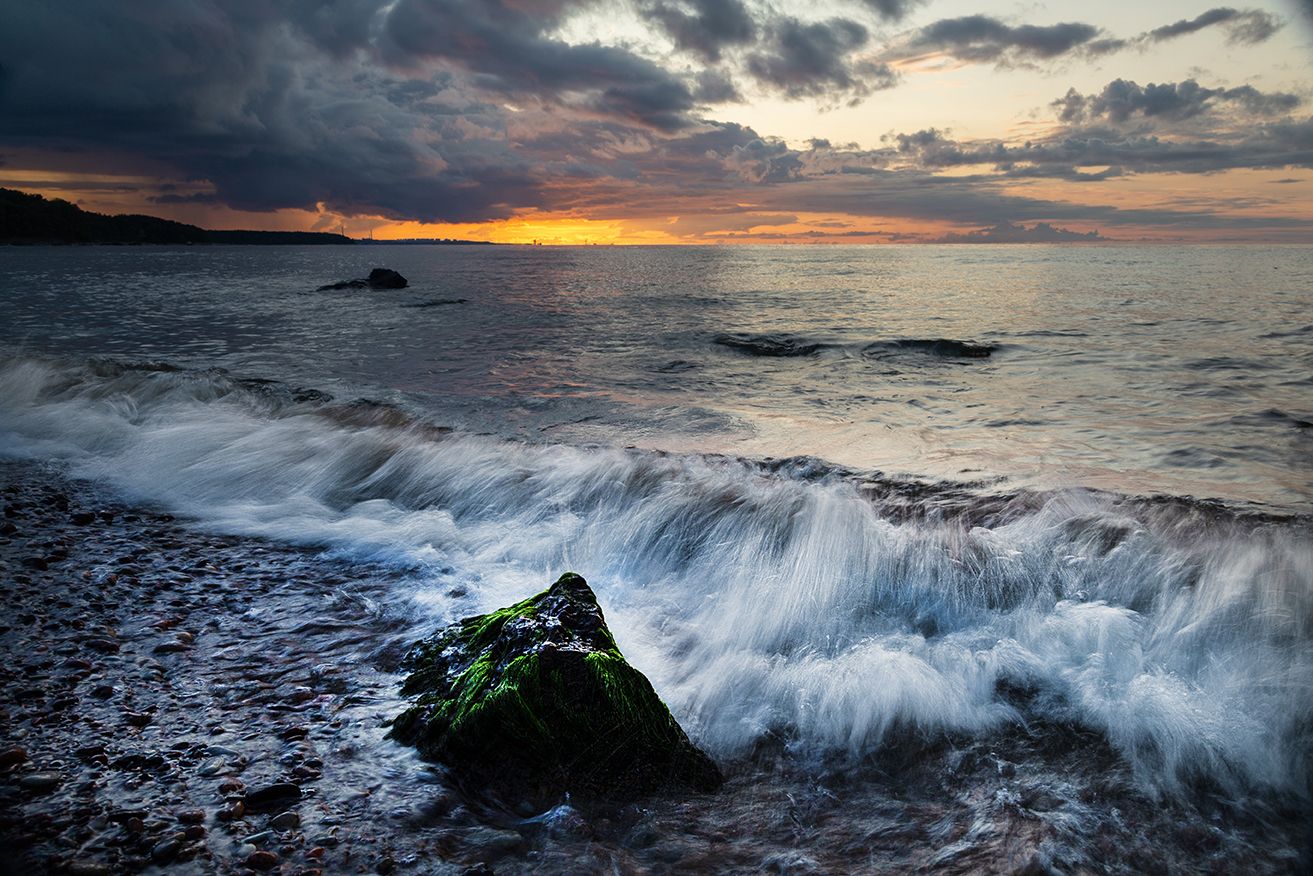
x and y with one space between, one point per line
1184 371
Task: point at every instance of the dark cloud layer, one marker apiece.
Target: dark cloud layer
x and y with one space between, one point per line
816 59
1245 27
474 110
1120 100
979 39
982 38
705 27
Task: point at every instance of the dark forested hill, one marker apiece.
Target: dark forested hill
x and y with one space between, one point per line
28 218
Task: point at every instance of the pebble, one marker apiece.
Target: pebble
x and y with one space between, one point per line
40 782
262 860
262 837
12 757
137 719
272 797
167 849
285 821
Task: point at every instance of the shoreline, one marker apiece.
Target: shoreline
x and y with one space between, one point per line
216 704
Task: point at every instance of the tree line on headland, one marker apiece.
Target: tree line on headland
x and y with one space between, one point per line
27 218
31 219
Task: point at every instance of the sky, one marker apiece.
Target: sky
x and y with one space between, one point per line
671 121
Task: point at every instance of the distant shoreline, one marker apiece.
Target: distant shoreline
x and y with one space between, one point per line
32 220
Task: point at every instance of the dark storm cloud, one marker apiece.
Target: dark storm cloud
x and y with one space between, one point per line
470 110
714 86
816 59
982 38
1248 26
704 27
1121 99
891 10
1069 152
357 105
505 43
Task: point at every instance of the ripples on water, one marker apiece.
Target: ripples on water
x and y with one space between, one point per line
1138 369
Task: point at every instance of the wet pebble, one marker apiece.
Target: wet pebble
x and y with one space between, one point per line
271 797
12 757
262 860
40 782
167 849
285 821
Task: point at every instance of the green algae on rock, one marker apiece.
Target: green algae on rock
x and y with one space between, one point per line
538 696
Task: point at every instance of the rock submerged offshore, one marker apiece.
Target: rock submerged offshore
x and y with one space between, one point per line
379 278
536 697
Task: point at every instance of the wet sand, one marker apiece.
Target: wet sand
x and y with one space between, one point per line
207 704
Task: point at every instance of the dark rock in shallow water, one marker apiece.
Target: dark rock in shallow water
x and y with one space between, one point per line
538 697
386 278
773 345
379 278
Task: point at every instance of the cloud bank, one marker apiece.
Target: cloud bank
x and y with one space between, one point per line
482 110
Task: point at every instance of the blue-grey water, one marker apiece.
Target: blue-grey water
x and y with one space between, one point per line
826 494
1143 369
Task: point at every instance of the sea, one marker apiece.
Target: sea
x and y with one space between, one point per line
831 498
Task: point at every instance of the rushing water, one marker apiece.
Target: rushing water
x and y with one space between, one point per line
828 496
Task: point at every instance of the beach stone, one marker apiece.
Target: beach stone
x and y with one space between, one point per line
262 860
272 797
538 697
285 821
167 849
12 757
40 782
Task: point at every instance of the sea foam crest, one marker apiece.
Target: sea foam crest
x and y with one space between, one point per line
757 602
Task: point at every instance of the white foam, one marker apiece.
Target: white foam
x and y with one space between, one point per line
756 603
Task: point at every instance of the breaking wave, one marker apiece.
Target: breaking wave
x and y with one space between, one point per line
788 600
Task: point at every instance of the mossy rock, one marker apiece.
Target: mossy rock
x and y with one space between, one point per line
536 697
